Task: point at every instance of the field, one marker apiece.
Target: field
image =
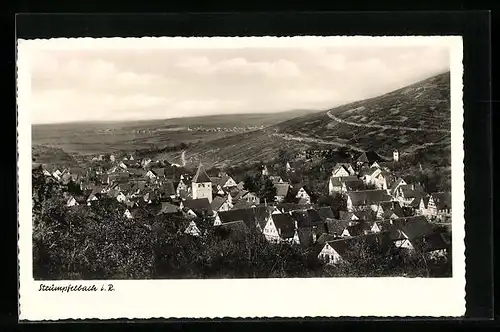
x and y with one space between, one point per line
377 122
106 137
413 119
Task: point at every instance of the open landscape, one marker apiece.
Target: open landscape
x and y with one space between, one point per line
361 189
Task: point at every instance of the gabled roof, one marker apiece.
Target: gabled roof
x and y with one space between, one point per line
323 238
359 228
369 157
368 197
199 206
201 175
413 227
238 226
442 200
245 215
217 202
167 188
325 212
242 204
335 227
160 172
284 224
354 185
261 214
282 189
339 180
168 208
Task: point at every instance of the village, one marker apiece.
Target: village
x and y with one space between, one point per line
378 207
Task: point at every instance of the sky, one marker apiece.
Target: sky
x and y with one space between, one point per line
71 84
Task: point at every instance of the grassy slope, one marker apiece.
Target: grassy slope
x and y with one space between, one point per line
104 137
424 104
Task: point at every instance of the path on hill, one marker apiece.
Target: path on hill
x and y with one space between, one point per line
333 117
289 137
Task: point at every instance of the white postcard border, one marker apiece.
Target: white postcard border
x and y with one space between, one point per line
243 298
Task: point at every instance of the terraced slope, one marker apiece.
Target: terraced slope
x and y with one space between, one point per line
406 119
409 119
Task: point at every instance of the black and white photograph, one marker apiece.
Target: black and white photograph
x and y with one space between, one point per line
242 160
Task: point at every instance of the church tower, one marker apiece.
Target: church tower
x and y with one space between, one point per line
201 185
395 156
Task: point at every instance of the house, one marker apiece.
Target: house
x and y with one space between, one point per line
342 170
336 183
122 165
281 190
276 179
158 172
340 250
242 204
145 162
325 212
407 233
127 214
442 203
337 228
389 210
220 203
265 171
201 185
251 198
371 198
181 187
168 208
307 219
410 194
353 185
167 189
368 158
235 229
395 186
200 206
245 215
288 167
71 201
424 208
435 245
192 229
280 227
332 252
303 194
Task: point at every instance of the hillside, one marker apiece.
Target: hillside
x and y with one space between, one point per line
52 156
410 119
106 137
406 119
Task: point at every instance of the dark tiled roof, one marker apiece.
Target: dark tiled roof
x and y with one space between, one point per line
284 224
368 197
168 208
201 175
325 212
282 189
199 206
245 215
217 202
369 157
442 200
335 227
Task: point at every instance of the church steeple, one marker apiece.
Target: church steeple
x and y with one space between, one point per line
201 176
201 184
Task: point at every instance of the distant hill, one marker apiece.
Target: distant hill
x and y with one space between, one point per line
408 119
107 137
404 119
51 156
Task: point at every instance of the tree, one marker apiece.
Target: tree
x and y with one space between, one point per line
267 191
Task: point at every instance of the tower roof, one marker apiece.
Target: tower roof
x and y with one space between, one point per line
201 176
